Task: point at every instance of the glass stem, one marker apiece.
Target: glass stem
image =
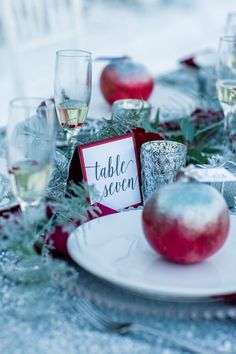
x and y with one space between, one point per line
23 207
33 213
72 142
230 131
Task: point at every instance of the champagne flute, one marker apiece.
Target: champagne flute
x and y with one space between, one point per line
230 26
72 91
226 89
30 147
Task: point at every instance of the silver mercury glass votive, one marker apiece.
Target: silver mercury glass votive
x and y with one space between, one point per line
122 108
160 163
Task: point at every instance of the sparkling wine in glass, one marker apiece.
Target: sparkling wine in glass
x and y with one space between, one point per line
30 148
226 89
72 91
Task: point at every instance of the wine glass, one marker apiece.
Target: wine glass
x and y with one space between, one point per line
30 148
230 26
226 90
72 91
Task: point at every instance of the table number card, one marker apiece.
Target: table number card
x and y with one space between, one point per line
111 166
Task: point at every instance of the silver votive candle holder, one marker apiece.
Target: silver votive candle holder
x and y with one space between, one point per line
129 106
160 163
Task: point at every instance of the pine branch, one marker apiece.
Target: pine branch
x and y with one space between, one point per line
117 126
19 231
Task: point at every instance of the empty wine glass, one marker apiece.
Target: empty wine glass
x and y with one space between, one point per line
72 91
30 148
226 89
230 26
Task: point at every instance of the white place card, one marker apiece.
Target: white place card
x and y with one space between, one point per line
112 167
217 174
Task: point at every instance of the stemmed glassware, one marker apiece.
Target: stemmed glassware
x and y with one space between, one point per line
226 90
230 26
72 91
30 148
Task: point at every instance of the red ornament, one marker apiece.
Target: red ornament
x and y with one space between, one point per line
126 79
186 222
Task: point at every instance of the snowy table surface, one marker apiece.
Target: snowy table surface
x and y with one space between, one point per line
45 317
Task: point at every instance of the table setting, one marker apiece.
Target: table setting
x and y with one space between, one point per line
117 233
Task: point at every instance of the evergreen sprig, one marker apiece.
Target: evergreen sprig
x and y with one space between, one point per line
198 141
19 232
74 207
117 126
196 133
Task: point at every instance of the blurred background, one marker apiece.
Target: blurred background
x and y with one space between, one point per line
157 33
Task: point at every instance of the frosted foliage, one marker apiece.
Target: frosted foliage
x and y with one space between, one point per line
175 201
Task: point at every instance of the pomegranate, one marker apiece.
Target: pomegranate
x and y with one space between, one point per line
125 79
186 222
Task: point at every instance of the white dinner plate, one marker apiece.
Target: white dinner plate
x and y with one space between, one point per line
114 248
174 104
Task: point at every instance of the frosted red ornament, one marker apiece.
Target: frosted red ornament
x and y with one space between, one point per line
186 222
125 79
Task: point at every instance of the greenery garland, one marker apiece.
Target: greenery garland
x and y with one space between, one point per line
17 232
198 132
